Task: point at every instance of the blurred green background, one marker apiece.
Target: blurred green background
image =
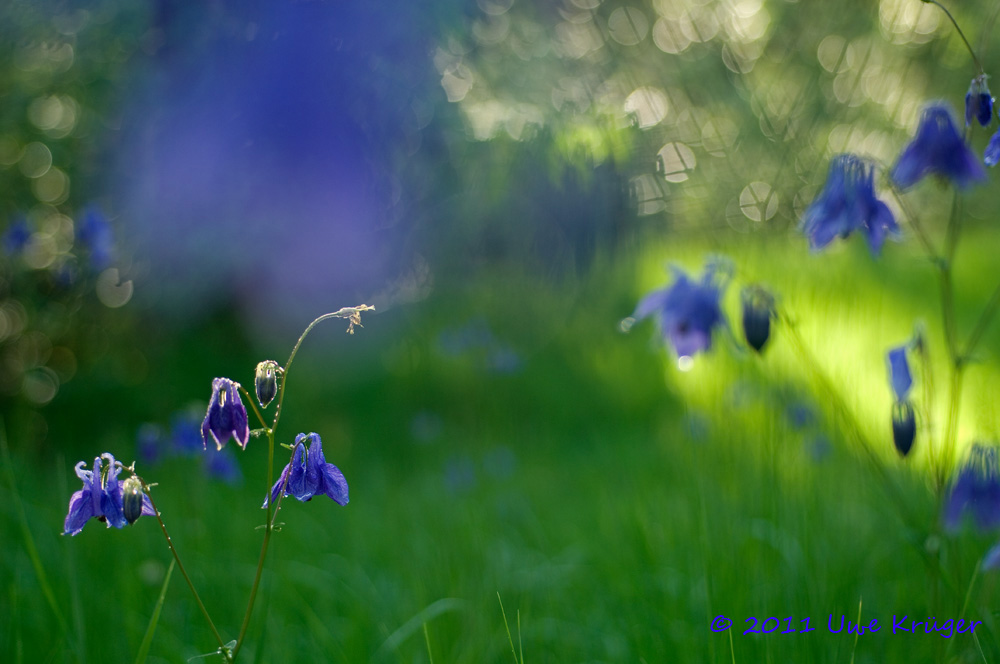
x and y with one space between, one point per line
503 180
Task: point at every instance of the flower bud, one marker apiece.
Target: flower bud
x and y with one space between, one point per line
132 498
758 309
904 427
266 382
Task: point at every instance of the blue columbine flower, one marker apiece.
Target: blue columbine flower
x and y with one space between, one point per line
94 232
937 149
992 154
977 490
848 203
978 102
16 237
100 497
687 311
311 477
226 416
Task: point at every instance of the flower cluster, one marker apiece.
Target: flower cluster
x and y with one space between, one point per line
104 498
311 476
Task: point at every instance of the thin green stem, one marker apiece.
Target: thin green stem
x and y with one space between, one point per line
955 354
256 410
353 314
954 405
984 320
798 345
263 549
180 566
915 224
979 66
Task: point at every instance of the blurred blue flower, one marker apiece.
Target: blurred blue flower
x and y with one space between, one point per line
100 497
848 203
16 237
992 558
312 477
687 311
94 232
226 416
150 444
221 465
976 490
937 149
992 154
899 373
978 102
185 434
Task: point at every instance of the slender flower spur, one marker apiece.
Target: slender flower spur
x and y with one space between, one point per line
977 490
687 311
312 476
102 497
848 203
226 416
937 149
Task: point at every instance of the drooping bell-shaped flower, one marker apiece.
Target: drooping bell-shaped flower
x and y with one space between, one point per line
847 204
311 476
976 491
937 149
758 310
226 416
904 421
978 102
687 311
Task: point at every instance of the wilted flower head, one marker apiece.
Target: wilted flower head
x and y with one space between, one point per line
937 149
977 490
978 102
101 498
848 203
226 416
312 476
687 311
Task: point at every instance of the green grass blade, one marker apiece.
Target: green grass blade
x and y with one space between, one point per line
29 543
147 640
